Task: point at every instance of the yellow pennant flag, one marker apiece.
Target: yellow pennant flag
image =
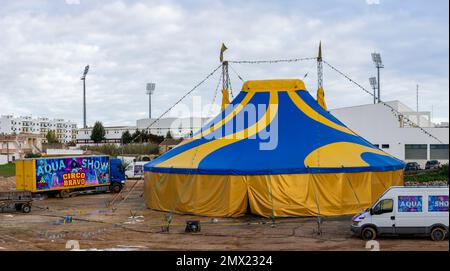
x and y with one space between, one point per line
225 98
321 98
221 51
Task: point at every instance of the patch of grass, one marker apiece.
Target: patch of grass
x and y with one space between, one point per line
8 170
428 175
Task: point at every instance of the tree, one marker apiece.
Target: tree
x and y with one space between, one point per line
144 136
98 132
169 135
137 136
126 137
155 138
51 137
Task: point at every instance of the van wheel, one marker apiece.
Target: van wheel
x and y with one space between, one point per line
368 233
438 234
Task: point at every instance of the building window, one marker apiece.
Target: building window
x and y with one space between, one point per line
439 151
385 146
416 151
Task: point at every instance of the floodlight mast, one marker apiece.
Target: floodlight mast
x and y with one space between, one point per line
376 58
373 83
83 78
150 90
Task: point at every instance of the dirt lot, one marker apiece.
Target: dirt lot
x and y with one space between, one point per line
128 225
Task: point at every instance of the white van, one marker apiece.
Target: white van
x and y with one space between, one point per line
135 169
400 210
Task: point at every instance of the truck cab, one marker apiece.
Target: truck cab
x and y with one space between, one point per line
117 175
406 210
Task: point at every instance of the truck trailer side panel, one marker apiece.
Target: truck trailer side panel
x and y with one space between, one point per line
61 173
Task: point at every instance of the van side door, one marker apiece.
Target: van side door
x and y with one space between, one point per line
410 216
382 215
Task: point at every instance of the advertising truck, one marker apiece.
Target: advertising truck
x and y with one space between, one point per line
421 210
64 176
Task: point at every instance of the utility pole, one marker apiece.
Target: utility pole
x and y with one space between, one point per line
83 78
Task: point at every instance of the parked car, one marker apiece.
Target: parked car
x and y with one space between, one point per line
406 210
412 166
433 164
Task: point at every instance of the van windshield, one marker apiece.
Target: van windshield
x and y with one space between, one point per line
384 206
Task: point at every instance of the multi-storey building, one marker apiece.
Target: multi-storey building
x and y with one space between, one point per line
65 131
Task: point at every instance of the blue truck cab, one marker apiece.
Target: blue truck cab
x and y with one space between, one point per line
117 175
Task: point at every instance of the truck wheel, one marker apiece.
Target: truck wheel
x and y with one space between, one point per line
26 208
438 234
368 234
64 194
116 188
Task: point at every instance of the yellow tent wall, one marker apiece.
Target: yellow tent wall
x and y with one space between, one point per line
281 195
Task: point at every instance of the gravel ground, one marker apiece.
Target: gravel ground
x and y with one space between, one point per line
129 225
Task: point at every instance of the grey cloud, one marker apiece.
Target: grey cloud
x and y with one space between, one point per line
130 43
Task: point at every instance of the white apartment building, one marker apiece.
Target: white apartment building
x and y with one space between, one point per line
65 130
391 133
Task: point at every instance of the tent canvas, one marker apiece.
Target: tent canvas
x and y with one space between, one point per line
275 151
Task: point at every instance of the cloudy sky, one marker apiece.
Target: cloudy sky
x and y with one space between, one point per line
44 46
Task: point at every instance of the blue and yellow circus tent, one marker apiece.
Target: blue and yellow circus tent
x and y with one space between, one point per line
274 152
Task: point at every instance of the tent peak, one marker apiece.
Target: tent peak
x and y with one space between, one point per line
273 85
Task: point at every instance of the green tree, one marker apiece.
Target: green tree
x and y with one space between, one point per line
98 132
137 136
169 135
126 137
155 138
144 136
51 137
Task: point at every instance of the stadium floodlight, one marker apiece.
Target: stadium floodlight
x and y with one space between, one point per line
86 70
150 89
373 83
83 78
376 58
